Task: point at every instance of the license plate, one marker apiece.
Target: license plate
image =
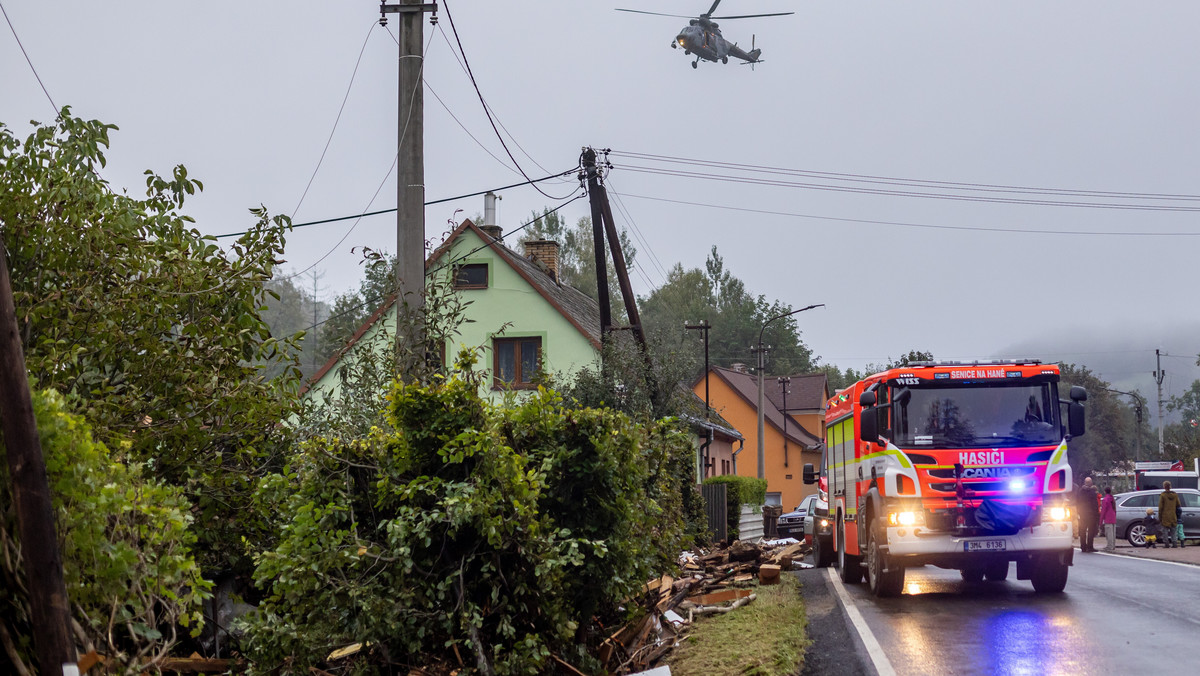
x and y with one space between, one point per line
984 546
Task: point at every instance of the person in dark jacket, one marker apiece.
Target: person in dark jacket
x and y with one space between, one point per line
1087 504
1152 530
1168 507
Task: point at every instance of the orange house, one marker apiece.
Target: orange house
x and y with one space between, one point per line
793 426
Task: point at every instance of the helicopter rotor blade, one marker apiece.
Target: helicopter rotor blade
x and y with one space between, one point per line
708 14
747 16
638 11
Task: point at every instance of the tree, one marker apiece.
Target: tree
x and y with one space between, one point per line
1182 439
736 318
148 328
293 310
1110 424
352 309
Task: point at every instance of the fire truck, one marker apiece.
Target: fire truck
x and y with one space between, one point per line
952 464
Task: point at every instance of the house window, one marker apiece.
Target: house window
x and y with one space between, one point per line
472 276
517 361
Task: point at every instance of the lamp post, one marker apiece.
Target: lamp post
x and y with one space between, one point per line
1137 435
762 458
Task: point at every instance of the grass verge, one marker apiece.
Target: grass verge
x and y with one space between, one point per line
764 638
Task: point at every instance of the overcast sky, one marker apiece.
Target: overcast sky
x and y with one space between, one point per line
1081 95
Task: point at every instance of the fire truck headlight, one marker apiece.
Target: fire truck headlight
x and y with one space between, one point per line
902 518
1060 513
1016 485
824 523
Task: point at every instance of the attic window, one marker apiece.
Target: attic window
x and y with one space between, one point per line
472 276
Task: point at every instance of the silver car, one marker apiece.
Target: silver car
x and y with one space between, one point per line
1131 510
798 523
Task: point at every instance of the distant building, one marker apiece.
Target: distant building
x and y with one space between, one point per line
791 437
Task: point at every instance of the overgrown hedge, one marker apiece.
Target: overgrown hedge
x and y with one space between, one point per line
498 537
125 540
739 490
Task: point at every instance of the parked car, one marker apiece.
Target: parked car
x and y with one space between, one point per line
1131 510
798 523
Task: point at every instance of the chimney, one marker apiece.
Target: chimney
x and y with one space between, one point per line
739 367
489 217
543 253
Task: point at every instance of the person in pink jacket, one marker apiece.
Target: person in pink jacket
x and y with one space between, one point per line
1108 517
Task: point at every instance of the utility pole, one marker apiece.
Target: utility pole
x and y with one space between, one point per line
1158 377
762 454
49 607
703 327
410 181
593 178
784 382
316 346
761 351
1137 437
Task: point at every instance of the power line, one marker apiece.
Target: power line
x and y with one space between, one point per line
904 224
637 231
28 60
399 146
336 119
727 178
488 112
430 203
371 301
910 182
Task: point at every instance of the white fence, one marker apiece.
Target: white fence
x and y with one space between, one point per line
750 523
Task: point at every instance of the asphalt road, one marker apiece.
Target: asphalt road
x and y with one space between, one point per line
1118 615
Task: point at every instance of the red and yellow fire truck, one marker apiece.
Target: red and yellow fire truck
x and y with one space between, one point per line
957 465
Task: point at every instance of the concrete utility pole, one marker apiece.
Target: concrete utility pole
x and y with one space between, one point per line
410 178
1158 377
762 454
50 613
1137 437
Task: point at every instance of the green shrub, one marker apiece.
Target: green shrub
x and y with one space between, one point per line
498 535
125 544
739 490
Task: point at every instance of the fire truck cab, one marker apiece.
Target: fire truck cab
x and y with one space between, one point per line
957 465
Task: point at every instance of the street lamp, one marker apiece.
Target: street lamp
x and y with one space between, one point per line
762 457
1137 435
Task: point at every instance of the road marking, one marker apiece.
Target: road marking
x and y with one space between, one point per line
1146 558
883 666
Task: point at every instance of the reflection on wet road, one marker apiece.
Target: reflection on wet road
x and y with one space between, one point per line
1118 615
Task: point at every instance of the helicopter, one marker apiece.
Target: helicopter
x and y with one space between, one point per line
703 37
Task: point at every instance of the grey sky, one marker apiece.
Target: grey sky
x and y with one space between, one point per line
1071 94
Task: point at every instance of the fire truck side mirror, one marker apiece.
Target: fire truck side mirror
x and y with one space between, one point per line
1078 393
1075 417
866 399
810 475
868 424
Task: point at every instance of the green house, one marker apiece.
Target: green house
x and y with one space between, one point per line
522 320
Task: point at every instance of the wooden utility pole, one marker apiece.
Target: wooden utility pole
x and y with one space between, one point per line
49 607
594 197
410 182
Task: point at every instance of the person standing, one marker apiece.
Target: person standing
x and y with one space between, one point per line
1087 503
1108 517
1168 503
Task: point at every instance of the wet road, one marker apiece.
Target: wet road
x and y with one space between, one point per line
1118 615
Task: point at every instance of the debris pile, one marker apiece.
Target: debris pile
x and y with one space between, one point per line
714 582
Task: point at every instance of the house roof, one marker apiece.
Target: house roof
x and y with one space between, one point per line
807 392
581 310
746 386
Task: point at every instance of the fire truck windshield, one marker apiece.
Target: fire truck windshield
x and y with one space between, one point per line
990 415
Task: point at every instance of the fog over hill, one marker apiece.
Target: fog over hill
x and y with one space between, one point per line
1124 355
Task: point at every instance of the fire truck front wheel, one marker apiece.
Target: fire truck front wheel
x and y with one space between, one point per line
822 551
882 583
848 565
1049 575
